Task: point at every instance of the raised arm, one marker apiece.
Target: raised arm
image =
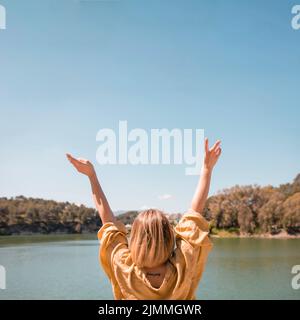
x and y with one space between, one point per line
85 167
210 159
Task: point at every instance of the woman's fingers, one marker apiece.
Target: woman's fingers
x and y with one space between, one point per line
216 145
74 161
217 149
206 145
68 156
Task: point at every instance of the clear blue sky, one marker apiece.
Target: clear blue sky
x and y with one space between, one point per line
69 68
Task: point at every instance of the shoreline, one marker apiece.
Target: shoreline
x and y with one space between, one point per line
281 236
222 235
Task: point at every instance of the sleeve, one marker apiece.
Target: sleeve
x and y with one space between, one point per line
192 247
113 240
193 229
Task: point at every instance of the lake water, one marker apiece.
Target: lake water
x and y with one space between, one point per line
66 267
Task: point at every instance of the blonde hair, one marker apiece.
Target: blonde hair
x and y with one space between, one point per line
152 239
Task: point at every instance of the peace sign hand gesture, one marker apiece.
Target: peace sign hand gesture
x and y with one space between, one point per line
211 155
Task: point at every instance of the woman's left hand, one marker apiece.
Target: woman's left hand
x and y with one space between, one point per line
211 155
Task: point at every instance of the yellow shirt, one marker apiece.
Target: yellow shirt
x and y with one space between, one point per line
184 267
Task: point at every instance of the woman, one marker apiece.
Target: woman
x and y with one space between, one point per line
150 266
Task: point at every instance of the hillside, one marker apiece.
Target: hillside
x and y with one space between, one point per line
240 210
256 210
21 215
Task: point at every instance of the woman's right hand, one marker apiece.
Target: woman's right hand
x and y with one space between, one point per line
83 166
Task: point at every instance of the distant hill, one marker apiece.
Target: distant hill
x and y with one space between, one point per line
21 215
256 210
240 210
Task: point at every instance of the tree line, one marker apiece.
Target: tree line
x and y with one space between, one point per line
32 215
254 209
240 209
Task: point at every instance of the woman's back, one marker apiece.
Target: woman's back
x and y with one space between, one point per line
177 279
